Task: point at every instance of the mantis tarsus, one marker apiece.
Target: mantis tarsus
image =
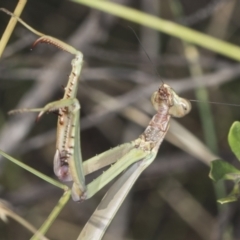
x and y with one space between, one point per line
68 164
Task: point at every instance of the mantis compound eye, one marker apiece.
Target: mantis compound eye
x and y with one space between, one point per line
186 105
180 108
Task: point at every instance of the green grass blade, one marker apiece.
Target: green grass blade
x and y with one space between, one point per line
33 171
173 29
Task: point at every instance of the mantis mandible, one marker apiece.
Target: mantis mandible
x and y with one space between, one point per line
68 165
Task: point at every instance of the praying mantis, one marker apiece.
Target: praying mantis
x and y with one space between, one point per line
68 164
137 154
142 151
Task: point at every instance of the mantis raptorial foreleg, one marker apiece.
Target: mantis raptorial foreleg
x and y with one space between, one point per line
68 160
143 149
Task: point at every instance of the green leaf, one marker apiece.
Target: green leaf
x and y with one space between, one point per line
227 199
234 139
233 196
223 170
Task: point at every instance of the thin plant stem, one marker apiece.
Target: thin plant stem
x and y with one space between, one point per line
11 25
35 172
53 215
7 212
192 55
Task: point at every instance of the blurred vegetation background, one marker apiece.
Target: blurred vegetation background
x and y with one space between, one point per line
174 198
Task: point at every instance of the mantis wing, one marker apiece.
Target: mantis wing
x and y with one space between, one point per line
113 199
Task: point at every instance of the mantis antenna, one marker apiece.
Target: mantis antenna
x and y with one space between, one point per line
217 103
154 68
156 71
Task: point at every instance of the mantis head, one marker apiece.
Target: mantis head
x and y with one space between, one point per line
166 97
